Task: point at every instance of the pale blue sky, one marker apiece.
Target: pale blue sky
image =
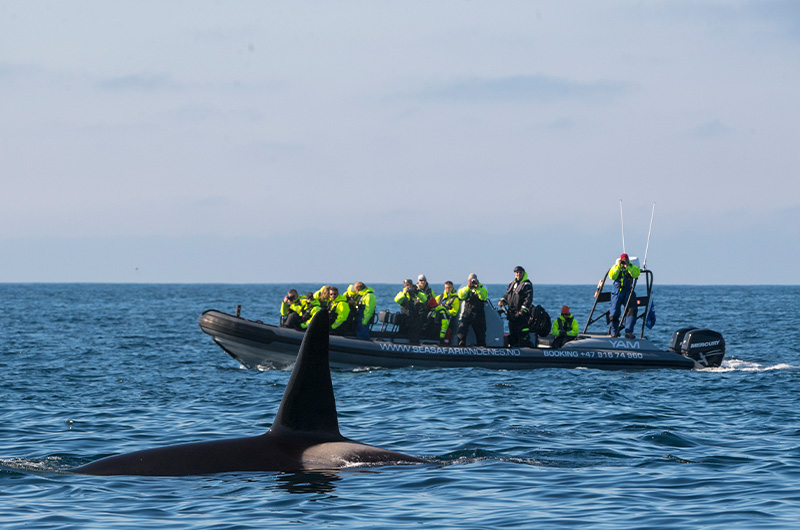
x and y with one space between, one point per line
261 141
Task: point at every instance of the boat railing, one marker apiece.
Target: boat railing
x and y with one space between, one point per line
601 296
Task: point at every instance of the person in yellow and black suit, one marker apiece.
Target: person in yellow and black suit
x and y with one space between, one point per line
623 274
565 328
365 308
473 295
447 310
298 310
424 287
290 318
338 311
412 303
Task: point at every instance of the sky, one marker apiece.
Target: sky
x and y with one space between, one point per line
310 141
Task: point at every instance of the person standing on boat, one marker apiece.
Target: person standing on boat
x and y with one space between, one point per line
365 308
425 288
623 274
517 301
412 303
447 308
431 315
473 295
565 328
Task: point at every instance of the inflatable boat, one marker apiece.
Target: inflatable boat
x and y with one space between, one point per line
255 344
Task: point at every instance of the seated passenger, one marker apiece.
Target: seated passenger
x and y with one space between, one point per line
565 328
365 308
338 311
289 316
412 303
308 308
319 299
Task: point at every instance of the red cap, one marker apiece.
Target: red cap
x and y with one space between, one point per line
624 257
565 310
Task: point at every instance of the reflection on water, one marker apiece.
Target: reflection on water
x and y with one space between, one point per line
308 481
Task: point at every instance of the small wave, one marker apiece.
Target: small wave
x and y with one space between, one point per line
51 464
669 439
268 366
738 365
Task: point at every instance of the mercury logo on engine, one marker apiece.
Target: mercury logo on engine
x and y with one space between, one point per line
705 344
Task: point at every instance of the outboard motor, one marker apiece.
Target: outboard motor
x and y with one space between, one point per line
677 338
705 346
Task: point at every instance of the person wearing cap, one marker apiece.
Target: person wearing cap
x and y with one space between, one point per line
565 328
473 295
412 303
623 274
422 285
517 301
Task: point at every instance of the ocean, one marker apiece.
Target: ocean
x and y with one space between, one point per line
92 370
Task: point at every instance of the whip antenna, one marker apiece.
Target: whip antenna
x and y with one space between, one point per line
648 236
622 224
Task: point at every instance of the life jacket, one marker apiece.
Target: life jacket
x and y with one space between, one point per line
623 280
519 294
411 303
566 325
365 306
448 301
339 310
473 298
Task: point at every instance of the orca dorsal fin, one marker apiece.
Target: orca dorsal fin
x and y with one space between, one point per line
308 404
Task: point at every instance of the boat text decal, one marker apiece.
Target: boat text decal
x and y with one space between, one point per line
624 344
446 350
594 354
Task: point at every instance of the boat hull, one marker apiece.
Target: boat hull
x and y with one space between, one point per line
255 344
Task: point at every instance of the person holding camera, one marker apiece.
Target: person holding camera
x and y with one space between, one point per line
623 274
473 295
297 310
290 310
412 303
517 302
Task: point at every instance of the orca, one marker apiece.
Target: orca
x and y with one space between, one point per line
303 437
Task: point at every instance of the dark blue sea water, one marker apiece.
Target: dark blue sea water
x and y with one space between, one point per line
88 371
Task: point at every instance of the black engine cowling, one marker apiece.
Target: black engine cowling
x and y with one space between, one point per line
705 346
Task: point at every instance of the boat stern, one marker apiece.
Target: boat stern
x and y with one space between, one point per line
706 347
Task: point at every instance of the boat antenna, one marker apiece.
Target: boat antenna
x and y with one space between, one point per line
622 224
644 265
